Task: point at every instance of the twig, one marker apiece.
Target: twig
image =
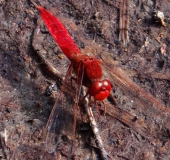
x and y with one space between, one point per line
35 4
3 147
95 130
124 21
50 69
144 45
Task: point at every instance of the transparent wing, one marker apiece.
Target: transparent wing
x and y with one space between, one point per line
149 113
60 122
120 78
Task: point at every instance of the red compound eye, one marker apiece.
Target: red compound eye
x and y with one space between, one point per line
100 89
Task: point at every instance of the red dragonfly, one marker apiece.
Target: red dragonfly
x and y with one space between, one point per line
89 73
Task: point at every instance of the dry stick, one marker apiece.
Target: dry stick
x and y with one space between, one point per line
35 4
124 21
127 21
3 146
120 21
50 70
93 124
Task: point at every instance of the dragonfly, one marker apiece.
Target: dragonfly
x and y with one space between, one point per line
89 73
87 69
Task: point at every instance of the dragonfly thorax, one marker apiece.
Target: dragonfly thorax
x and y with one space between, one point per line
99 89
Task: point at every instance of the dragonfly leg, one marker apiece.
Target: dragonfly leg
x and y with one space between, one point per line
84 97
73 79
104 108
97 107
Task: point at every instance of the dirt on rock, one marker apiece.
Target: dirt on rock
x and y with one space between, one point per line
134 127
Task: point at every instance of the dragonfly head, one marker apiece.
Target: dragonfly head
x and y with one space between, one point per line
100 89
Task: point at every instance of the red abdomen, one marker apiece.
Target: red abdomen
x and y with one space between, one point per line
59 33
